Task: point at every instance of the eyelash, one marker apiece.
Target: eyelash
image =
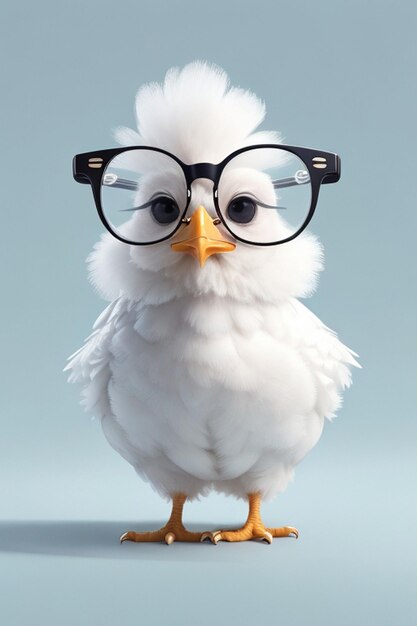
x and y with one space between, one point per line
257 202
149 203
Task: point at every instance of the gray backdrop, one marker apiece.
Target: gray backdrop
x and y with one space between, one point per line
335 75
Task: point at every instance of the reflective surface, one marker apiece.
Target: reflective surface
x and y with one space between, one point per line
143 195
264 195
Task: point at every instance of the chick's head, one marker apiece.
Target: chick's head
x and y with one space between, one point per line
199 118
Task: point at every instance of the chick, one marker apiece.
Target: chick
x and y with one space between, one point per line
205 369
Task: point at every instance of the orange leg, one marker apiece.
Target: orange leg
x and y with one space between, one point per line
253 528
173 530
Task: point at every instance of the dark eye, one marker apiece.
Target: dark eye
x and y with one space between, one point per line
242 210
165 210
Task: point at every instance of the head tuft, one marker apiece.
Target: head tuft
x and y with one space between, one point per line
196 115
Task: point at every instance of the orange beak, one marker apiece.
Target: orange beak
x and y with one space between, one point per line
201 238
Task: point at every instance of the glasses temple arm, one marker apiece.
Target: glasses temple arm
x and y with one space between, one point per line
291 181
111 180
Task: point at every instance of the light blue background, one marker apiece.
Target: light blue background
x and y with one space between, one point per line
335 75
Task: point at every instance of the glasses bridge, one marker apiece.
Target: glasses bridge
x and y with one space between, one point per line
203 170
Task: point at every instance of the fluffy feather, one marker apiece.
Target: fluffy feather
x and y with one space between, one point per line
215 377
197 115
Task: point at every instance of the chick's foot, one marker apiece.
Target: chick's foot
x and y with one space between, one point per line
250 531
253 527
173 530
168 533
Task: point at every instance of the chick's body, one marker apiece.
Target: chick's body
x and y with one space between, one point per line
214 377
205 392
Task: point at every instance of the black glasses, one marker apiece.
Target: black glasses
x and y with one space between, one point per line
264 194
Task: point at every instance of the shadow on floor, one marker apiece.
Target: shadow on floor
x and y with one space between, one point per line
98 539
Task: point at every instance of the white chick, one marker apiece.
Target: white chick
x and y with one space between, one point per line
210 376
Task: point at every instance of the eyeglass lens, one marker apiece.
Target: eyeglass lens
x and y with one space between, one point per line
265 194
143 195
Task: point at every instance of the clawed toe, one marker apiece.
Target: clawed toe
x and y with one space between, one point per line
169 538
128 536
284 531
267 537
214 537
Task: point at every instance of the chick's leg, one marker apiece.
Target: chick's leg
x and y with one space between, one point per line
253 528
173 530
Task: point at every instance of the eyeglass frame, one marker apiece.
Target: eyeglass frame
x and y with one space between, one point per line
323 168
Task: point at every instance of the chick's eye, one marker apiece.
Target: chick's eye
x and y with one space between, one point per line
164 209
242 210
